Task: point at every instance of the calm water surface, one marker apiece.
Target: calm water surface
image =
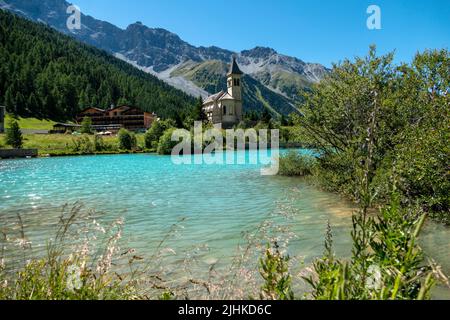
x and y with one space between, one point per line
218 202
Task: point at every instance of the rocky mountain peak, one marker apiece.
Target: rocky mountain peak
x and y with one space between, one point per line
259 52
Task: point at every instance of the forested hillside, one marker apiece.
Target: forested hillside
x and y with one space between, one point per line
48 75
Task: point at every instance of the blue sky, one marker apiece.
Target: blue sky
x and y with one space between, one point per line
323 31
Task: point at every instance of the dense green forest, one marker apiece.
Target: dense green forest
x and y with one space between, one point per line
45 74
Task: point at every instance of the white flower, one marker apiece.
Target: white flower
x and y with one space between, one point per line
374 279
74 278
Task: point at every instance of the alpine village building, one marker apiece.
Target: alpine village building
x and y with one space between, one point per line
225 107
111 120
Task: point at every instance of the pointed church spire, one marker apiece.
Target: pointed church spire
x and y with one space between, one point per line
235 68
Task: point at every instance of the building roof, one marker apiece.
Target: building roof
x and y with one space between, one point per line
226 96
66 125
214 97
120 107
234 69
86 109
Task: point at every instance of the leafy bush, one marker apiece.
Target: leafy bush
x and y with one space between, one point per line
274 269
86 125
387 263
295 164
83 145
127 140
99 144
166 144
406 105
155 133
422 165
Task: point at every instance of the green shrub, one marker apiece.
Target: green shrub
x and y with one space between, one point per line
155 133
295 164
336 173
387 263
274 269
99 144
407 105
83 145
127 140
86 125
422 166
166 144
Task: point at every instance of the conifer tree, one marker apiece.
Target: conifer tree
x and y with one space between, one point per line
14 136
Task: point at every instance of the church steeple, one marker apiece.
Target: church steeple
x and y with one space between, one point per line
235 68
234 80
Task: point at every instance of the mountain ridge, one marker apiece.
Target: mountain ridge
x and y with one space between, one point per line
163 53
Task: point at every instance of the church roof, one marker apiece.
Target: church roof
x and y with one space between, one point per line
214 97
226 96
235 68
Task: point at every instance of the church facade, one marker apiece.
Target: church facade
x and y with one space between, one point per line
225 107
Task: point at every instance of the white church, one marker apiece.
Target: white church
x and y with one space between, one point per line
226 107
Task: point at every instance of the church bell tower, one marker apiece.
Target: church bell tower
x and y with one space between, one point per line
234 82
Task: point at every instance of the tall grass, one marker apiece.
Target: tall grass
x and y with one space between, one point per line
85 260
77 264
295 164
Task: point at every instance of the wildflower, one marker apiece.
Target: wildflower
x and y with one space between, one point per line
23 243
105 261
98 227
74 278
374 279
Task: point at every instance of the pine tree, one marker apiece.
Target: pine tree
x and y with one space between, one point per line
83 100
266 117
14 136
20 106
199 113
10 100
33 104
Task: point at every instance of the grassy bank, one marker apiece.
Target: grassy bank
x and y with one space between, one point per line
30 123
65 144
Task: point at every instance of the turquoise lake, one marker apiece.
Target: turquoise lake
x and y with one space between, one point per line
217 203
